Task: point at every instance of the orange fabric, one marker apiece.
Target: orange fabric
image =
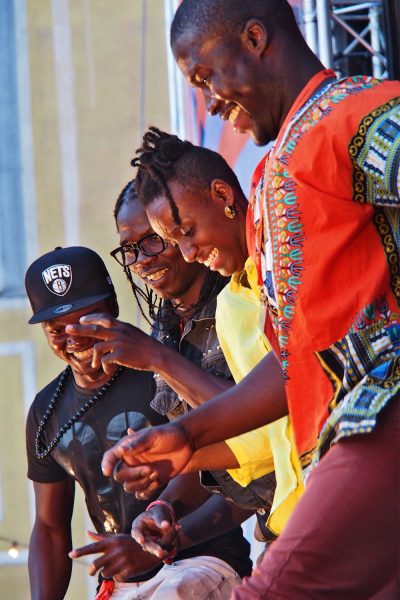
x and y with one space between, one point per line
106 589
339 266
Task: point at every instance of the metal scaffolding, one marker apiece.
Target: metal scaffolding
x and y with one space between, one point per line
355 36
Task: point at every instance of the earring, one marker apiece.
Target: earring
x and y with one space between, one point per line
230 211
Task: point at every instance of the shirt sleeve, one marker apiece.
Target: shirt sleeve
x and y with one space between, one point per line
375 152
253 453
41 470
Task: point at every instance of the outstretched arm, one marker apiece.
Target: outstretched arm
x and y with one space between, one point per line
223 516
258 399
123 344
48 563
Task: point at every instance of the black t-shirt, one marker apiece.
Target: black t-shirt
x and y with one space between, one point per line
80 451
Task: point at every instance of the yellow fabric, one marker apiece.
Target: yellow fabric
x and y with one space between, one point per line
240 329
254 455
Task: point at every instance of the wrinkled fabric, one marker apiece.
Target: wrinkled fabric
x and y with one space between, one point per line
342 541
199 578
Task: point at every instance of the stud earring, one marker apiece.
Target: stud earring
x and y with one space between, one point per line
230 211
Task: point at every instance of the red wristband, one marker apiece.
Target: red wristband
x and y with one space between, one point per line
167 505
169 559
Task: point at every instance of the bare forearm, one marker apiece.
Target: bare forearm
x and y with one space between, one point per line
49 564
258 399
193 384
185 493
126 345
213 518
214 457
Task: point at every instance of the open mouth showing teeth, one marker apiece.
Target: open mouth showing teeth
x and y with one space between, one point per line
211 258
156 276
84 355
233 115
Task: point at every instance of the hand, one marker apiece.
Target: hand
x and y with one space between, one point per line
122 343
121 558
155 531
166 449
141 481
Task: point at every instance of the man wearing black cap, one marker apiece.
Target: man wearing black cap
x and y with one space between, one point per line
71 423
74 419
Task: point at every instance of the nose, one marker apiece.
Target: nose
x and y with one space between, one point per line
212 104
189 251
142 259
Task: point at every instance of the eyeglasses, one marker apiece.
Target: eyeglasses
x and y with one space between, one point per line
150 245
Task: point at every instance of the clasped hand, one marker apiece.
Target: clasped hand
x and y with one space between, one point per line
148 459
156 531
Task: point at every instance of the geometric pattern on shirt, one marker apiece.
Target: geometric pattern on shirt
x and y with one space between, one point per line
355 355
282 219
375 153
358 411
387 223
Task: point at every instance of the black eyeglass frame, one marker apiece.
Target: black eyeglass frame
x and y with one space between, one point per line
135 247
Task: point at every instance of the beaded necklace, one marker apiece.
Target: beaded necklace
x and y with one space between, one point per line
41 450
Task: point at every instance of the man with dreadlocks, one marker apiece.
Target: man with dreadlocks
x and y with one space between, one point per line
165 161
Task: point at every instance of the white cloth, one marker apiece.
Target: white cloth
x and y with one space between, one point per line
197 578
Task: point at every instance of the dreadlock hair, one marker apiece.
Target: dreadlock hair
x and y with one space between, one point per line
129 196
164 157
163 315
225 19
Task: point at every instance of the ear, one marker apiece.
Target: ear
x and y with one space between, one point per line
255 37
221 192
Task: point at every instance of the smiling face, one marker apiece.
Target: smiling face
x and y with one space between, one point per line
166 273
236 82
78 351
205 234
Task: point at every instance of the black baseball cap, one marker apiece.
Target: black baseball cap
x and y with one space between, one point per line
66 280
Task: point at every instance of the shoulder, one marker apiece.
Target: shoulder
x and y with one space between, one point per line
352 99
42 398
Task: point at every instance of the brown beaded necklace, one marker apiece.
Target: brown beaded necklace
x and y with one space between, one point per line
41 450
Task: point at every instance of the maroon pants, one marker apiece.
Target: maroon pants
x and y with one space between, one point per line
342 541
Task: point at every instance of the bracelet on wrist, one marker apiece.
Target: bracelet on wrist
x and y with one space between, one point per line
167 505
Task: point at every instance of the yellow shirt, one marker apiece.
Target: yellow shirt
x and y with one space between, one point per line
240 329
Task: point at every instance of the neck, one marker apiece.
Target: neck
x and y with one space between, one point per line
301 65
191 295
92 381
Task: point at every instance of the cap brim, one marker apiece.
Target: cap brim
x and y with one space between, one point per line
66 308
